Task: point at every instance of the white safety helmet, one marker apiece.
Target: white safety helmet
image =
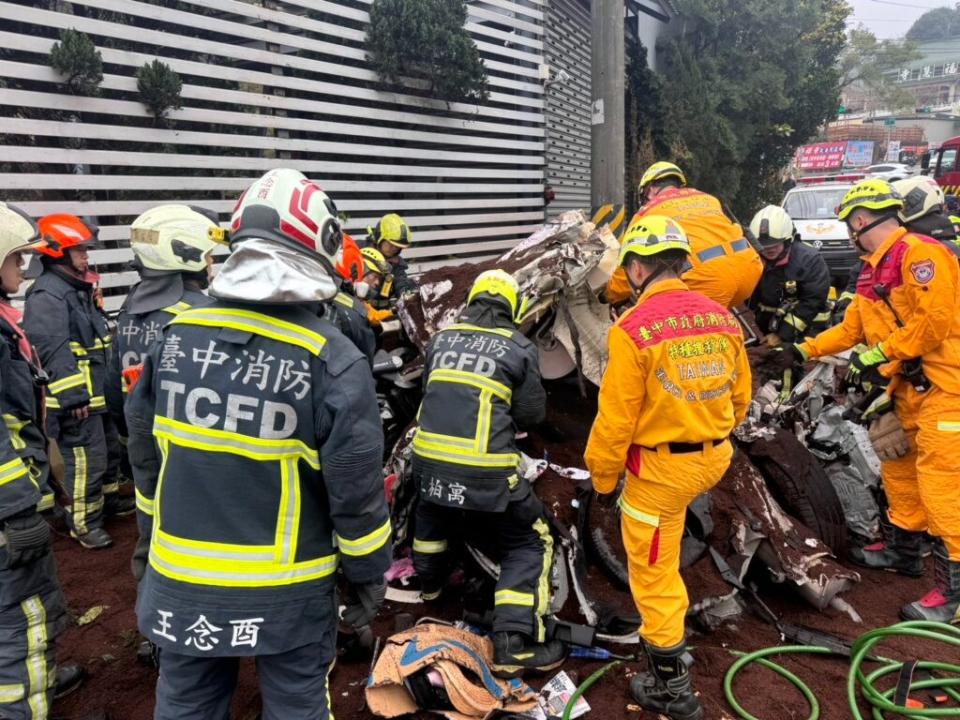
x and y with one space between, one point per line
285 207
174 238
772 226
921 195
18 231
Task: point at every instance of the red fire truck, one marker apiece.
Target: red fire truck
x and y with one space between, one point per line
944 168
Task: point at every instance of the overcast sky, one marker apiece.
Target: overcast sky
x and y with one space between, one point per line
891 18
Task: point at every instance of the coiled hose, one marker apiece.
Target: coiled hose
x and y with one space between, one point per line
880 700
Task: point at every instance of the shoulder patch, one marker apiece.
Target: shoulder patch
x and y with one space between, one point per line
923 271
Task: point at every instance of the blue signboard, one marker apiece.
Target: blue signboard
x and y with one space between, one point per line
859 153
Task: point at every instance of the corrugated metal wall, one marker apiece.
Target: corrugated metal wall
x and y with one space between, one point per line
271 84
568 105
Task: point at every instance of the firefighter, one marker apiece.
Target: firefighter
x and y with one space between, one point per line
391 236
482 383
32 608
924 212
347 310
677 383
905 312
376 273
64 320
722 264
173 252
266 419
791 299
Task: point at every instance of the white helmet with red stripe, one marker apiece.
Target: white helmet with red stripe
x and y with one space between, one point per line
285 207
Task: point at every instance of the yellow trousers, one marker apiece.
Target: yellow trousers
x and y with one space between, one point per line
654 507
923 488
729 280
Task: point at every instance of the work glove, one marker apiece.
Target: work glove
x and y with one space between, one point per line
28 538
839 310
364 602
863 366
887 437
791 356
771 340
606 500
882 405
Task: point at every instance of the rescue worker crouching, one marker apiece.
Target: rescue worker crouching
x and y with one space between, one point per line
266 420
376 272
722 264
791 300
482 382
676 384
924 212
32 607
390 237
905 311
62 317
173 252
347 311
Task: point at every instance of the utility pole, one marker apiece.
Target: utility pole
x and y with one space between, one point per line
607 131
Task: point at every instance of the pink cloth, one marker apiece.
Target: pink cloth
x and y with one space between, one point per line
13 316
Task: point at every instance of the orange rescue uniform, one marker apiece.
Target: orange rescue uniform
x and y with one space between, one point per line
923 281
724 266
677 383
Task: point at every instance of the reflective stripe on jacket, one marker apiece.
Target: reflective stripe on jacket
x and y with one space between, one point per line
795 294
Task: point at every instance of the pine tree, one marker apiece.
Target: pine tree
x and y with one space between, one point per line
78 60
159 87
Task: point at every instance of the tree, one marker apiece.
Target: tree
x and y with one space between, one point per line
644 119
744 86
78 60
870 63
426 40
937 24
159 87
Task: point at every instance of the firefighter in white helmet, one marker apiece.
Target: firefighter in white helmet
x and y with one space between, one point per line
266 419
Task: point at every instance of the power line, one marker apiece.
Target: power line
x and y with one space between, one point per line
909 5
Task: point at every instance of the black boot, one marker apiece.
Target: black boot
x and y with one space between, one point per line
116 505
514 653
96 539
900 552
69 678
665 687
942 604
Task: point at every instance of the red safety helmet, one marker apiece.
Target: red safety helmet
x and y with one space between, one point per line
350 266
61 231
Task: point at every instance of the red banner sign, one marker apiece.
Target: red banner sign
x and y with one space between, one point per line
821 156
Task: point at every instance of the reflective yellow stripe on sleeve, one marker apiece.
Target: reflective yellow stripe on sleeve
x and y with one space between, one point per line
367 544
429 547
255 323
343 299
14 426
67 383
13 470
794 322
511 597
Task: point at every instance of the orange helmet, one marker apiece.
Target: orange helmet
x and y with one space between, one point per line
350 266
61 231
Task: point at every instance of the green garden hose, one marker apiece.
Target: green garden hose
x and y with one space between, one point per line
584 686
879 700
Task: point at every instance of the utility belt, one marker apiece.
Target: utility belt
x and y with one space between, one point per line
673 448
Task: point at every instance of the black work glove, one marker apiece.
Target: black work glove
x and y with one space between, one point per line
364 603
864 366
839 310
28 538
606 500
790 357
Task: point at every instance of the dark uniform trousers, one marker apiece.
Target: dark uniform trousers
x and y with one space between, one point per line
522 542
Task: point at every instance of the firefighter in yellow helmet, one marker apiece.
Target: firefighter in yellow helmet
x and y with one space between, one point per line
482 383
391 236
905 313
722 265
376 271
677 383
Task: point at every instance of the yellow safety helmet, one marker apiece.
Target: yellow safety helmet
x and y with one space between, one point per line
392 229
660 171
500 283
651 235
374 261
873 194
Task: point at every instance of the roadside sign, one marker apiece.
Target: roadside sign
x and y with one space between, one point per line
890 122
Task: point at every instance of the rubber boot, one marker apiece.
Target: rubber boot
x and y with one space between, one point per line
900 552
665 687
116 505
942 604
515 653
69 678
96 539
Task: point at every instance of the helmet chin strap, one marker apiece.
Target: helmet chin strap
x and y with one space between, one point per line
868 227
784 249
638 290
